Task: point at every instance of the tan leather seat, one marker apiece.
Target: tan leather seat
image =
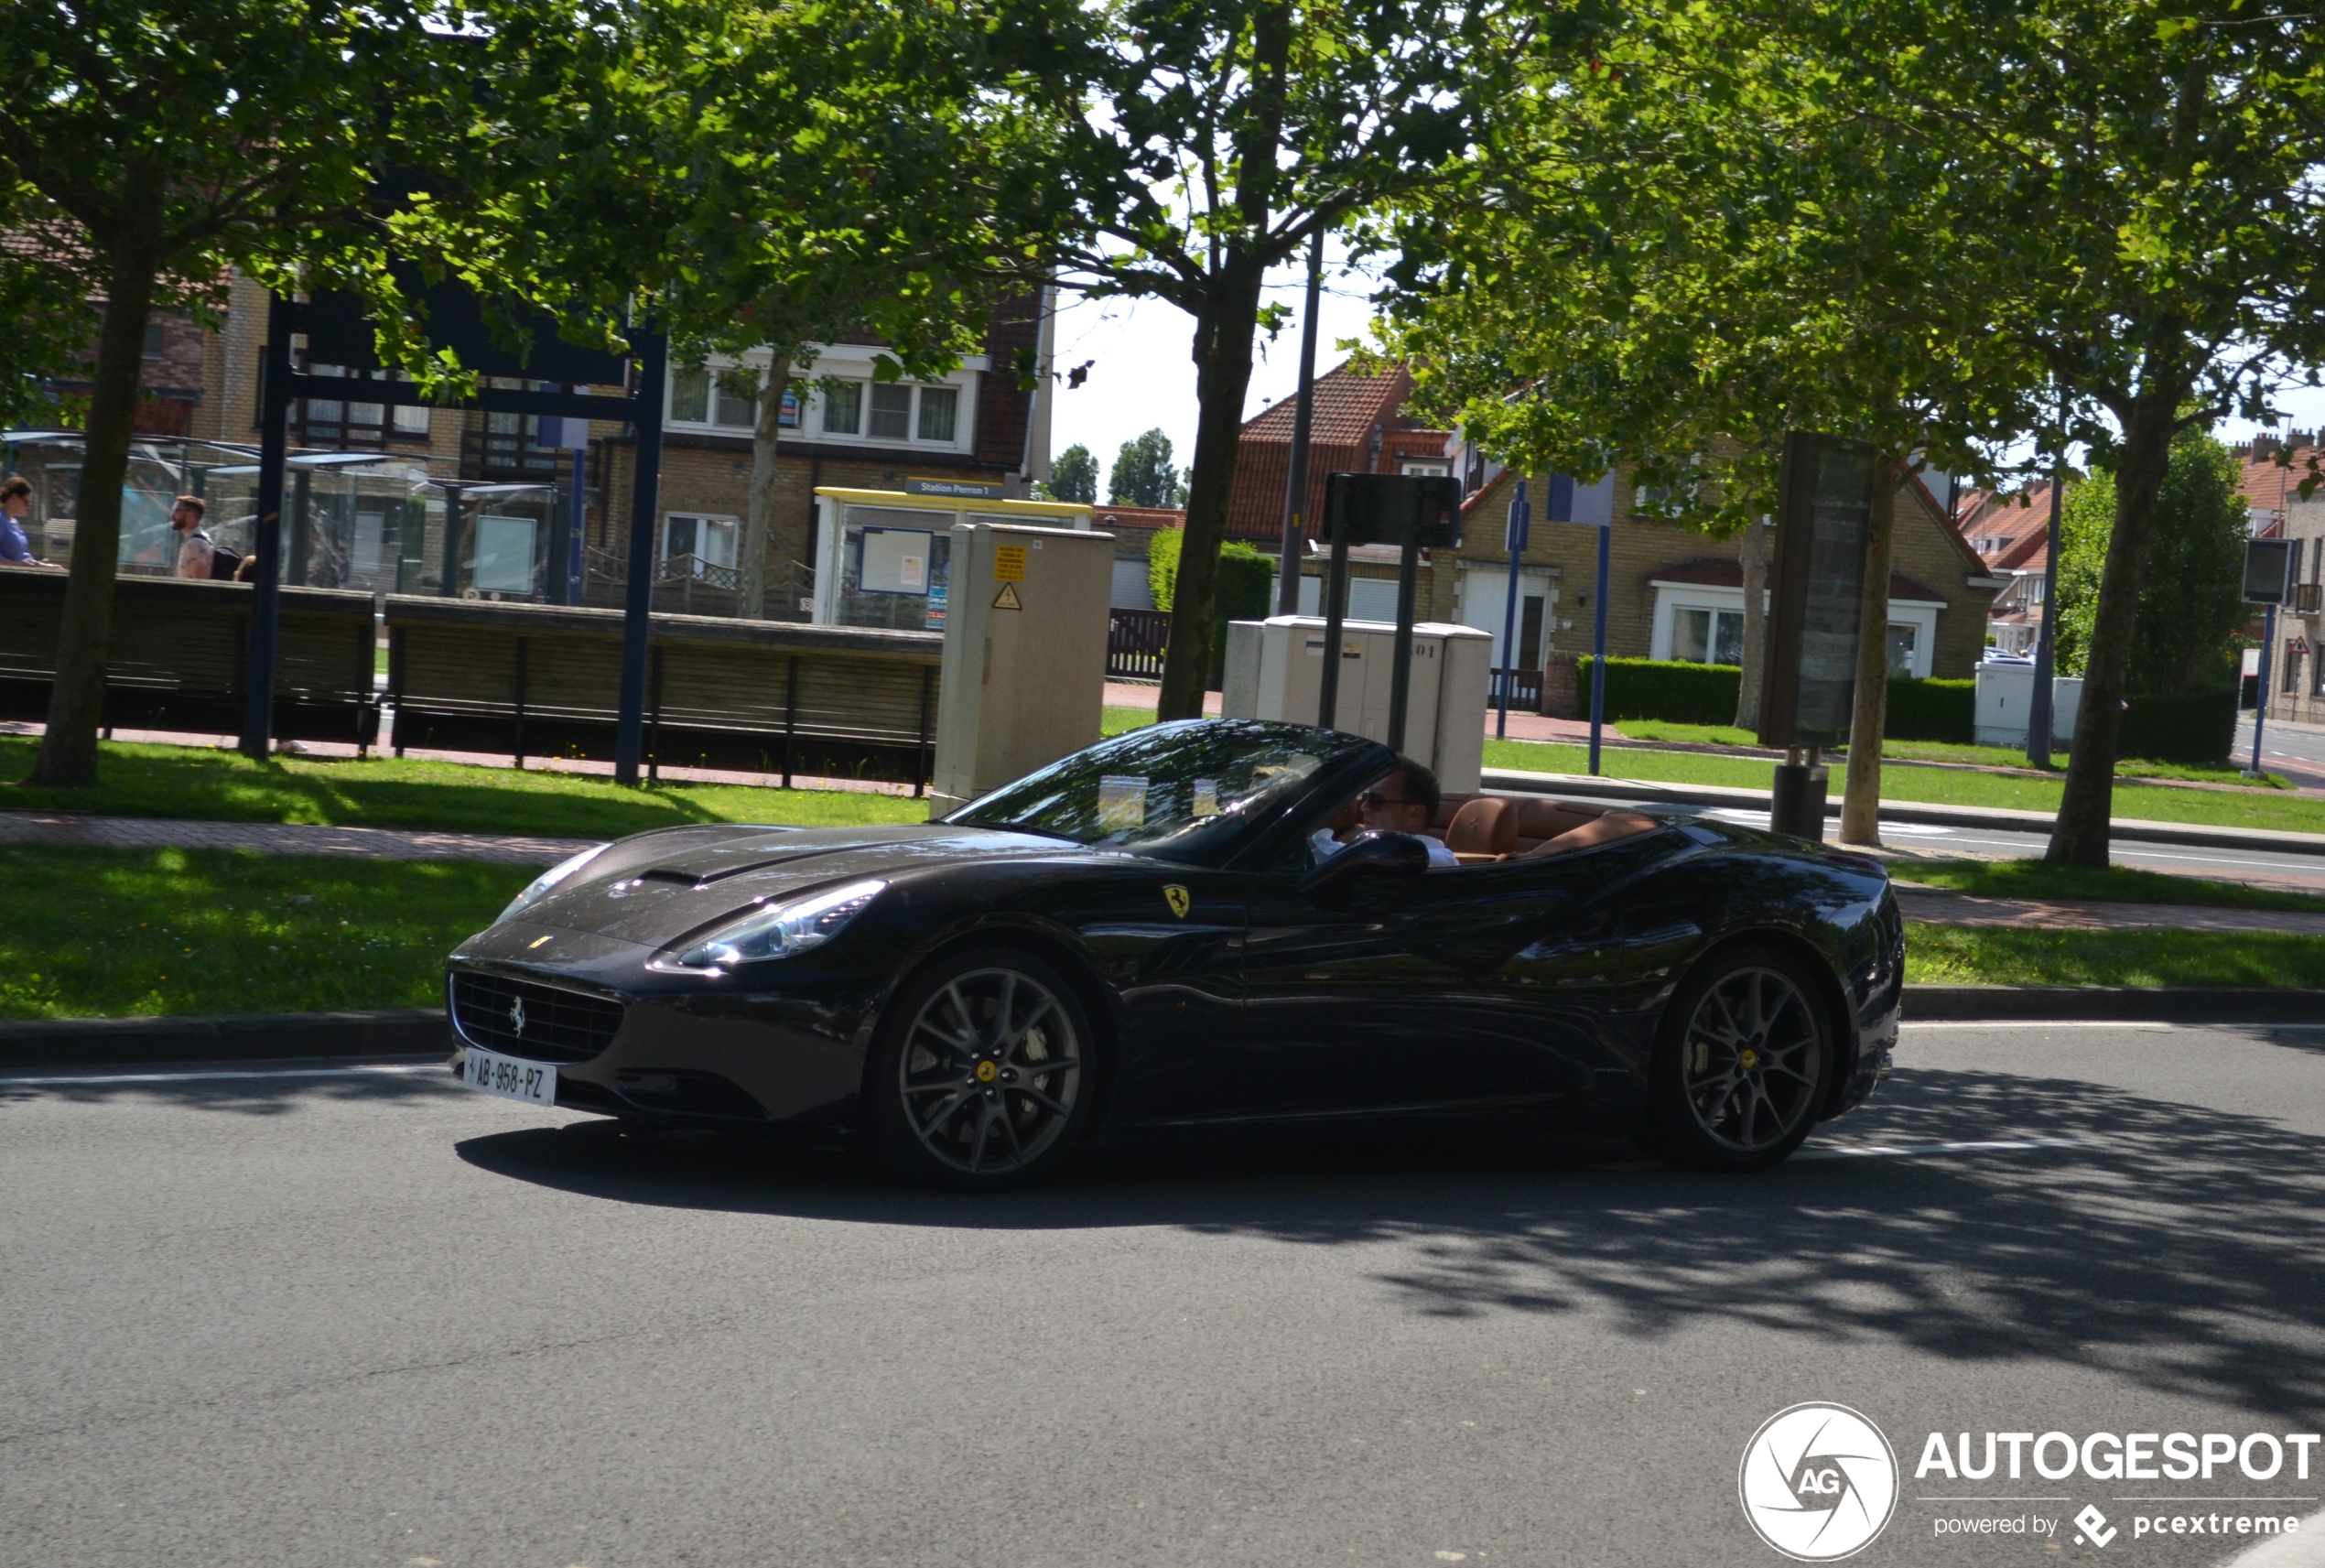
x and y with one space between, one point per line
1540 820
1485 828
1608 827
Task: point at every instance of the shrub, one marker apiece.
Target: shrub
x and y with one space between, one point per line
1244 593
1932 710
2196 727
1667 689
1163 567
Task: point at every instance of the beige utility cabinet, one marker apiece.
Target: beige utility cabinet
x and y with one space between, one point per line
1024 670
1275 670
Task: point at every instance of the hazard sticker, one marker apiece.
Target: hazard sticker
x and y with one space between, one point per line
1007 598
1008 563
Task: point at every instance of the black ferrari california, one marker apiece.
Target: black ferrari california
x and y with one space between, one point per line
1180 927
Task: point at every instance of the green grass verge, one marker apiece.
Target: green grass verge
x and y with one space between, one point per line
1946 786
2118 884
1958 955
1944 751
225 786
1120 720
158 933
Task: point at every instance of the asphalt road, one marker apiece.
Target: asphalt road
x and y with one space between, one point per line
367 1318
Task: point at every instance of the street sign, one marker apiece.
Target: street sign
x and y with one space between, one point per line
2270 566
1393 509
1824 510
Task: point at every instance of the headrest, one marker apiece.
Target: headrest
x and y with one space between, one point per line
1486 825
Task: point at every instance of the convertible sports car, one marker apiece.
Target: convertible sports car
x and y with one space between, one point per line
1143 935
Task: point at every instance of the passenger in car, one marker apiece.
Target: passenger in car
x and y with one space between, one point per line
1403 800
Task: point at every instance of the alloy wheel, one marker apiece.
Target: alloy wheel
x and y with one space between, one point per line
990 1072
1750 1061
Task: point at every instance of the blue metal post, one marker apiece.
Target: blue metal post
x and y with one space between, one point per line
1521 525
1598 644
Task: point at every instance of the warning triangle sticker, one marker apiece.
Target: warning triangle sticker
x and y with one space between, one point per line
1007 598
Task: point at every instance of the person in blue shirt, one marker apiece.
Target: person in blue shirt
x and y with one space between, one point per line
15 500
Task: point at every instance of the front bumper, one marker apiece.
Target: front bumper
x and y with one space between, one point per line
684 1049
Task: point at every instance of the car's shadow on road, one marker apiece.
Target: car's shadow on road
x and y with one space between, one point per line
2183 1246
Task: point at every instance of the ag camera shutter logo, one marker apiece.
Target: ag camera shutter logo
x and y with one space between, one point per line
1818 1482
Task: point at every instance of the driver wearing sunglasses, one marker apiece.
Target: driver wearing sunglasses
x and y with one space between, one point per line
1403 801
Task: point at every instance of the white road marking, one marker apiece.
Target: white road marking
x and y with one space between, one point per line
1910 1151
9 1081
2149 1024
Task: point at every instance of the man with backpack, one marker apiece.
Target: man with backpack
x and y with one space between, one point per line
198 556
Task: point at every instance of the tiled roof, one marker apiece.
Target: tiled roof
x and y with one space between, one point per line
1726 571
2030 551
1349 407
1150 518
2270 486
1995 525
1346 407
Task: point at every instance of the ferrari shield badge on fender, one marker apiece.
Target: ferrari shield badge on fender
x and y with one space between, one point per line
1176 896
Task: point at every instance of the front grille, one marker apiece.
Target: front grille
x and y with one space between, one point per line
559 1025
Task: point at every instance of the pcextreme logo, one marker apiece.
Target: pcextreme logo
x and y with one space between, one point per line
1818 1482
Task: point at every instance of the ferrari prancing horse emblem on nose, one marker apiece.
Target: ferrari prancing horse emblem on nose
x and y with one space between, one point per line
1176 896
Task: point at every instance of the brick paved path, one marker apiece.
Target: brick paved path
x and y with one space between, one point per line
282 838
1932 906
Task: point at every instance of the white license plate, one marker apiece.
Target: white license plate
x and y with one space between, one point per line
535 1083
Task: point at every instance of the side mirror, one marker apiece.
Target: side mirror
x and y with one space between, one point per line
1367 857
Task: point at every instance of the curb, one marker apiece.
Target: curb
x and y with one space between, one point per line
1644 792
256 1037
2112 1004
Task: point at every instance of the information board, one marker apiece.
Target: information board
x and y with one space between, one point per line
1824 514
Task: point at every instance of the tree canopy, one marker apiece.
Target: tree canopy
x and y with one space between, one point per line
1073 475
1142 474
1213 140
2193 600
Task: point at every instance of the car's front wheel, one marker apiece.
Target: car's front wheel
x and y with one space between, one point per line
981 1075
1742 1063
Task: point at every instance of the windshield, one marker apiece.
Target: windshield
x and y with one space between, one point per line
1179 790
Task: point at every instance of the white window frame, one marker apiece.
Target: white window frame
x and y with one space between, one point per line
699 519
1921 614
841 362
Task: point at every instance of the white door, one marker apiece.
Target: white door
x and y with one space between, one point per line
1483 597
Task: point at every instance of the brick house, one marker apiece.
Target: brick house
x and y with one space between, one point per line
2272 493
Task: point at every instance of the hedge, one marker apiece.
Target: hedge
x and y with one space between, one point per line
1667 689
1932 710
1679 693
1244 591
2196 726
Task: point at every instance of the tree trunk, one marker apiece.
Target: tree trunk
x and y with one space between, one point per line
1751 550
1861 799
68 757
2079 836
759 512
1223 335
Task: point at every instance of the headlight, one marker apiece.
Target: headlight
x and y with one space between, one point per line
539 887
782 929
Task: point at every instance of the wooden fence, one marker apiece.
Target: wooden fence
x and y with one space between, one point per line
529 680
179 656
1134 642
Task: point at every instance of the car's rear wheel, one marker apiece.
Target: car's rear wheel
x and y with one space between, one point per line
981 1076
1742 1064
